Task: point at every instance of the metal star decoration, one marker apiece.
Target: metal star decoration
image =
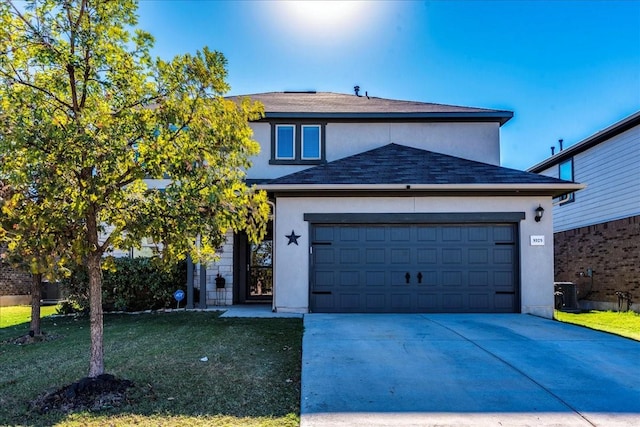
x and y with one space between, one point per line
293 238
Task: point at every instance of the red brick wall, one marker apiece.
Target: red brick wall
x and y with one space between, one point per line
13 282
610 249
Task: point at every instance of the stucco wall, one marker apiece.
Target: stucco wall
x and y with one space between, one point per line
291 267
473 141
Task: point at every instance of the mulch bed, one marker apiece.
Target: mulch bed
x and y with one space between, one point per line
89 394
28 339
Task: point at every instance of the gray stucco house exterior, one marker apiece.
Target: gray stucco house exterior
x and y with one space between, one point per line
391 206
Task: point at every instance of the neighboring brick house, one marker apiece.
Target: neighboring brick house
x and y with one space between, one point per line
15 285
383 205
597 230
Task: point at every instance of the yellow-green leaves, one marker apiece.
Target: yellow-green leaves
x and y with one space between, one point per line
88 119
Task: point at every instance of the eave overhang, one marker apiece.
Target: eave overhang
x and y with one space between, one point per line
345 190
489 116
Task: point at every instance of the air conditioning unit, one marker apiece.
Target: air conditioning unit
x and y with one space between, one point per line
566 297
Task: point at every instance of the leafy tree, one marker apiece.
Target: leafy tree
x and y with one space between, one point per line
131 147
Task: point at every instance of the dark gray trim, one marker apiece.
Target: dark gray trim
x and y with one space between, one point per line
551 192
491 116
297 143
415 218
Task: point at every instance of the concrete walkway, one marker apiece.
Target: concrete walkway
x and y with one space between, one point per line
253 310
465 370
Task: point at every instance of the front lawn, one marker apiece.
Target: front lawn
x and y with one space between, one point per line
15 315
626 324
251 376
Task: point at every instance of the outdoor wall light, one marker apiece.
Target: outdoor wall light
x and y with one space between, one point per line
539 213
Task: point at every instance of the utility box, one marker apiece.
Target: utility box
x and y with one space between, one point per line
566 297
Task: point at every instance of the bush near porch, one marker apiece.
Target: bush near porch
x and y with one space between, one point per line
135 284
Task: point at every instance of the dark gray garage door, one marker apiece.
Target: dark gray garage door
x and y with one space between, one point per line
395 268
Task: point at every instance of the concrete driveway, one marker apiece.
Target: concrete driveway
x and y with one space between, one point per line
465 370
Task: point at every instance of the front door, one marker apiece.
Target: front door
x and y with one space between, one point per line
254 268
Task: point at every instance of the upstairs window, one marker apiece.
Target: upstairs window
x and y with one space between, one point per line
285 142
297 143
566 173
310 142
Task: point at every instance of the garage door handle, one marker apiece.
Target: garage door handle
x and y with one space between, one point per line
407 277
505 293
420 277
321 292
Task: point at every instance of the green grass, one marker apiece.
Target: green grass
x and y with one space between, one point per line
15 315
252 377
626 324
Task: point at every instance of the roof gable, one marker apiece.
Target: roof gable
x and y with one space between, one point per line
399 164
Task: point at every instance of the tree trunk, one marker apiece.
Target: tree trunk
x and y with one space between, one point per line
94 268
36 291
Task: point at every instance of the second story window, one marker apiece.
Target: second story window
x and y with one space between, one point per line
285 142
566 173
297 143
310 142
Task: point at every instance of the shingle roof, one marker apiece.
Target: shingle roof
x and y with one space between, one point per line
338 105
399 164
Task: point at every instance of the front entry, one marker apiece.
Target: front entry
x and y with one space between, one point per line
254 268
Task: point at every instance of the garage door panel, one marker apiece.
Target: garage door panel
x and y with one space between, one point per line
375 278
375 256
452 278
478 255
427 234
400 234
452 268
452 301
349 256
452 256
478 278
375 302
375 234
400 256
349 278
503 255
427 255
427 301
324 255
401 302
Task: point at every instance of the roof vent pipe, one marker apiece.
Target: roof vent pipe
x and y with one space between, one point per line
560 141
553 150
356 89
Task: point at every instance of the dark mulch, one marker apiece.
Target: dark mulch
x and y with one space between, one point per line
31 339
88 394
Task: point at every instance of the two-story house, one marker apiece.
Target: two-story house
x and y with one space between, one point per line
382 205
597 230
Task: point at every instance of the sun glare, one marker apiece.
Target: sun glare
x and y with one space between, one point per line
325 18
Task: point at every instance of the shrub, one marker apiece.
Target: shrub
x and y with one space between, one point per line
135 284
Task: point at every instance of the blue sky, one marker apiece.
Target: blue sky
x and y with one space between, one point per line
567 69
